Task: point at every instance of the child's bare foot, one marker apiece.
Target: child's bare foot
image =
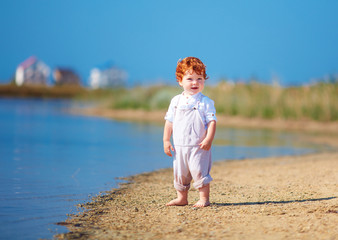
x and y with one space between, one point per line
181 200
204 196
177 202
202 203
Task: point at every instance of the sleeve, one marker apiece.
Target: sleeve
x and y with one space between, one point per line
210 110
170 113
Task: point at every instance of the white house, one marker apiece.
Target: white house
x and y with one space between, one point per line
107 76
32 72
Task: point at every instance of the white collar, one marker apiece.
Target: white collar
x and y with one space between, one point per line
195 96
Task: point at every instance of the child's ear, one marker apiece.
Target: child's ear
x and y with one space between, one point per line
180 83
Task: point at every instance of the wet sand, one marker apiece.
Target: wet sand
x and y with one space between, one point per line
293 197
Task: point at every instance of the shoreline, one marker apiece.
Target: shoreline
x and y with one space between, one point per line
289 197
272 198
222 120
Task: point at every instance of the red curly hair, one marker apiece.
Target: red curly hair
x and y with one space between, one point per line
190 63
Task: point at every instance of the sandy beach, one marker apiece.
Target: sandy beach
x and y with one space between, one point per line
292 197
226 121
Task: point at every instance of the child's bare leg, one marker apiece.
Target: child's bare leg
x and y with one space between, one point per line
204 196
181 200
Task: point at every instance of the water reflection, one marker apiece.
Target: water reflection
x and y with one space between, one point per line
253 137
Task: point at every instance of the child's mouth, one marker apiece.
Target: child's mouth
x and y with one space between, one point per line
194 88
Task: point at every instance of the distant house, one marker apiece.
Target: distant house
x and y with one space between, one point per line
107 76
32 72
63 76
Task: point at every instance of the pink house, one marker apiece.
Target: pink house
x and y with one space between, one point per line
32 72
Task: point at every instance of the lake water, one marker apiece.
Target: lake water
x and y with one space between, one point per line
51 161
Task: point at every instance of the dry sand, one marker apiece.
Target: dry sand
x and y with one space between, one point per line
293 197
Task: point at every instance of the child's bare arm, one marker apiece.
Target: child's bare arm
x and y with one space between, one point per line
207 141
168 129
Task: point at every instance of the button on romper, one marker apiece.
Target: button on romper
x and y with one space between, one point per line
190 161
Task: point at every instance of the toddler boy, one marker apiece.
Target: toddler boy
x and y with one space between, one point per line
191 119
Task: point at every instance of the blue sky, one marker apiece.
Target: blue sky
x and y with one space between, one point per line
295 41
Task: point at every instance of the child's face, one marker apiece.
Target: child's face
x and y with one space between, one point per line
192 83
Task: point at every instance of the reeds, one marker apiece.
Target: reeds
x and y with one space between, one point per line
316 102
41 91
254 100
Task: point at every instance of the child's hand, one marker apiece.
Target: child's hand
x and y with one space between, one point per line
207 141
167 147
206 144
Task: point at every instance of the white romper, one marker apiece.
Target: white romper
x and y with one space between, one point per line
189 129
